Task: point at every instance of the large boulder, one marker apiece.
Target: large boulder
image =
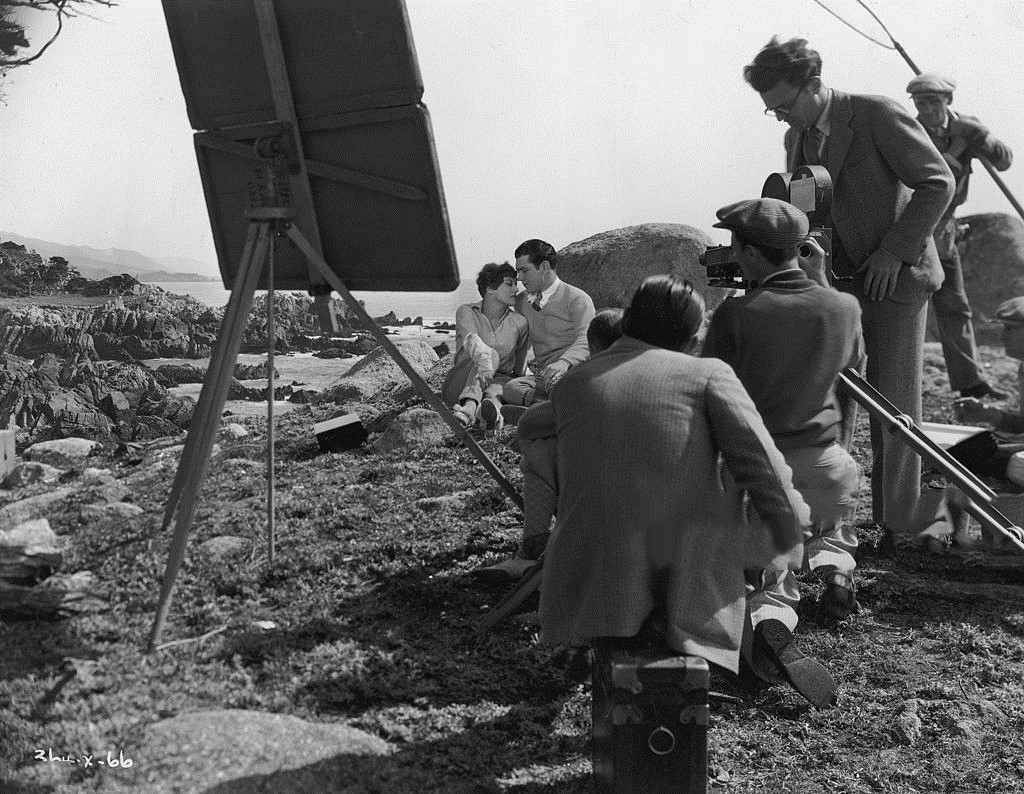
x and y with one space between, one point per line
378 371
62 451
609 266
993 260
29 552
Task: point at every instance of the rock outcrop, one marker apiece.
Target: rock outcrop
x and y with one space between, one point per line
993 260
246 750
102 401
378 372
609 266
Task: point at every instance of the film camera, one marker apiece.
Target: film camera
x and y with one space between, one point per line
809 188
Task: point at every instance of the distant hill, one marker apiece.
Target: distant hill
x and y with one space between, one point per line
96 264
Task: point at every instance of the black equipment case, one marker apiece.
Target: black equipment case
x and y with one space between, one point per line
650 722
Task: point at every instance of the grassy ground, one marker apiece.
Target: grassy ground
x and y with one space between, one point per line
373 614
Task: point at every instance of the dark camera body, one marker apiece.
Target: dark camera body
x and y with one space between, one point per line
723 270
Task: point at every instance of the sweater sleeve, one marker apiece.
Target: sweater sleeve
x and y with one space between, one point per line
465 324
981 142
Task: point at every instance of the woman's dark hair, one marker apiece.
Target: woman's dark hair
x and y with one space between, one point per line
493 276
665 311
790 62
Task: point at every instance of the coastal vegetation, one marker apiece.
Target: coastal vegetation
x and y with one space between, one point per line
356 657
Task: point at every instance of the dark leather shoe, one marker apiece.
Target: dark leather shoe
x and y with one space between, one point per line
775 651
490 414
983 389
839 600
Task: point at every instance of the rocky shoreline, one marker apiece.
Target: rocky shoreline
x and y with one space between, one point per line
74 370
72 350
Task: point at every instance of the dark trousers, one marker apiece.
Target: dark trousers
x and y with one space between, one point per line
953 317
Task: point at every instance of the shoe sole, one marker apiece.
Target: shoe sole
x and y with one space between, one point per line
807 676
490 413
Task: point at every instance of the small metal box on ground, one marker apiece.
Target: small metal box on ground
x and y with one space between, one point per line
340 433
650 722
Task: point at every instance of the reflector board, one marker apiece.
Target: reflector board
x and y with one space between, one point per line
374 189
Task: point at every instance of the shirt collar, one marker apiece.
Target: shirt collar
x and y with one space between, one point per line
480 308
545 294
778 274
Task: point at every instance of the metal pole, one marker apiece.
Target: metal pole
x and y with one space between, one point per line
978 494
271 341
421 385
984 160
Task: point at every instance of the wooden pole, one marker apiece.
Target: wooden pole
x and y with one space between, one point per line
420 385
195 458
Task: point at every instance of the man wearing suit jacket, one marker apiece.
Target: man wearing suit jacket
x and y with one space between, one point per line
647 536
890 188
558 314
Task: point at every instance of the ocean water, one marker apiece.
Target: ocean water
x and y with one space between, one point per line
431 306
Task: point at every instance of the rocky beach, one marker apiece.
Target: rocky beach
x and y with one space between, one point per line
352 663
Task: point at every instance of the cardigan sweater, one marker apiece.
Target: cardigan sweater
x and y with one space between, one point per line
558 330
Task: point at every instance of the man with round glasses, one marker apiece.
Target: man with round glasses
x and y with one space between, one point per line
890 188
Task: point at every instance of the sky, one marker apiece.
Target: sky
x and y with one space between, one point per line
555 119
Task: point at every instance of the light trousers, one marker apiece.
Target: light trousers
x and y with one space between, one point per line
828 479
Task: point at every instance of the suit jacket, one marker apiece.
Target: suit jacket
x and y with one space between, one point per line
889 187
645 525
787 341
559 330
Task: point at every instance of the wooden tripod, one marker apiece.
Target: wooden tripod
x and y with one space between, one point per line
266 223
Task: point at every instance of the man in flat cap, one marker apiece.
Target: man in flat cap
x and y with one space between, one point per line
959 139
787 339
890 188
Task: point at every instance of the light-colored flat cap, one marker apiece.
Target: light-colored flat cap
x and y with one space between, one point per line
931 83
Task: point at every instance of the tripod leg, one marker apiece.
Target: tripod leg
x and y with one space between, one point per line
195 457
201 416
421 385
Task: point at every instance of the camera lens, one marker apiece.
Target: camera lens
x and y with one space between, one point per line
804 250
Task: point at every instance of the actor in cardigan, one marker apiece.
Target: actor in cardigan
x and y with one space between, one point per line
558 314
890 188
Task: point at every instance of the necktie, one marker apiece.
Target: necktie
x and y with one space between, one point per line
812 145
536 303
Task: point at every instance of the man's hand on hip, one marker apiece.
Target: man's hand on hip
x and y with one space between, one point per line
882 269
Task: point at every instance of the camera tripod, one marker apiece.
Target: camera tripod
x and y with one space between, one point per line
270 218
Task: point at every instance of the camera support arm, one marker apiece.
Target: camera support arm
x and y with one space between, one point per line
980 496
